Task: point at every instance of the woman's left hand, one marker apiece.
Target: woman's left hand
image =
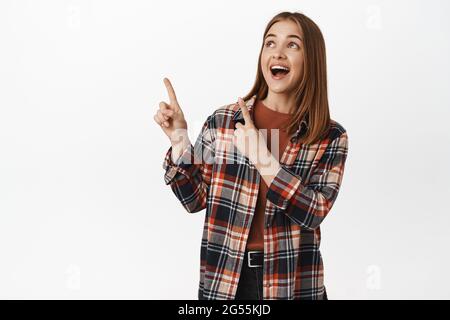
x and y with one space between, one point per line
247 137
251 143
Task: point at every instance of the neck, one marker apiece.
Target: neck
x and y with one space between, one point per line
280 102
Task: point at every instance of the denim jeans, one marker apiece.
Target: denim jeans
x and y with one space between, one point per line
250 285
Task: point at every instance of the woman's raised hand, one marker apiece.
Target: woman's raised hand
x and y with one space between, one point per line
170 117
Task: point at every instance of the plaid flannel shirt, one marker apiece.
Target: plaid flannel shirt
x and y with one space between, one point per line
211 175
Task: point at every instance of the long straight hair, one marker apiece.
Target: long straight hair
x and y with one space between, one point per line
311 91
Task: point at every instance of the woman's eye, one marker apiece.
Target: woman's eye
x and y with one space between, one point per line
269 42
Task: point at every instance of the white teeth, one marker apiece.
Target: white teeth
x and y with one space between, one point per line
279 67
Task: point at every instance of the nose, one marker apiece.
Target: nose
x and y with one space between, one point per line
278 54
278 57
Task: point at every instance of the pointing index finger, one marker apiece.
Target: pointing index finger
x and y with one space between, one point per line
171 92
245 112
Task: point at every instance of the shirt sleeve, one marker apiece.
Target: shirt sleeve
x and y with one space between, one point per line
190 175
307 205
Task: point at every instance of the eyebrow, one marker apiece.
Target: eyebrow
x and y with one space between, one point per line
289 36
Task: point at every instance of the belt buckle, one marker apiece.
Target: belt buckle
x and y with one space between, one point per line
249 260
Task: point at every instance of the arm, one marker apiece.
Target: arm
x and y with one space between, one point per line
190 175
307 205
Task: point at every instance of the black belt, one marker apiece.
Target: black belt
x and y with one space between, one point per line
254 258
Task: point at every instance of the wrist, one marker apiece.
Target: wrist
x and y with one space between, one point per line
179 137
267 164
179 144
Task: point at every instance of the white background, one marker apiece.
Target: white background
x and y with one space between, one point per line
84 211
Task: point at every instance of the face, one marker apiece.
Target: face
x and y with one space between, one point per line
283 46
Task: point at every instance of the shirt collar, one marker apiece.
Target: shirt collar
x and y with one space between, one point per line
238 117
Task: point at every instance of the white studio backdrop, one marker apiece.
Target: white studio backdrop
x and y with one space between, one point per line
84 210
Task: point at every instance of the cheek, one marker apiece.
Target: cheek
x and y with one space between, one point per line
264 70
298 67
264 63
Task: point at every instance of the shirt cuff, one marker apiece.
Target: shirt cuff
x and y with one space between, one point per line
182 165
283 187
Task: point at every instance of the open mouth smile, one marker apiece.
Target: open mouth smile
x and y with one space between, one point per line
278 72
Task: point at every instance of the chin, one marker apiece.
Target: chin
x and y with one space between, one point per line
279 87
278 90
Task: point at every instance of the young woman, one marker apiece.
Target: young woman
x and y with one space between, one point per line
267 169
